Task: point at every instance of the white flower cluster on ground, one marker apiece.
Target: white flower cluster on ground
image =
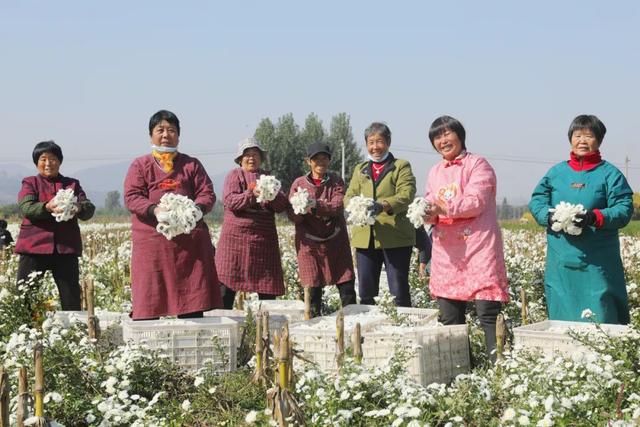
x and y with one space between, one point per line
66 201
268 187
563 216
417 210
301 201
180 215
359 211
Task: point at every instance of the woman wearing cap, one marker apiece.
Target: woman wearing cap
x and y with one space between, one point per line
390 182
248 257
322 240
177 276
585 271
467 261
43 243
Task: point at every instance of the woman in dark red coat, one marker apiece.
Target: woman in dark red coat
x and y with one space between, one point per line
322 240
177 276
44 243
248 256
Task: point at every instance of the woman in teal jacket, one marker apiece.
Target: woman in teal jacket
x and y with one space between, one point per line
585 271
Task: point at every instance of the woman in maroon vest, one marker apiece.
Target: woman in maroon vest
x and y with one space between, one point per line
43 243
248 256
174 277
322 239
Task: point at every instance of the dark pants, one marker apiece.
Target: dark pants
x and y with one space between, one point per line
65 273
452 312
347 296
396 262
229 295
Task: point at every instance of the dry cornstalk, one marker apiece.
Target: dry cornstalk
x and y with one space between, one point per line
356 340
280 399
39 388
4 398
307 303
240 301
290 373
266 341
259 376
500 334
340 338
525 307
276 347
92 320
23 397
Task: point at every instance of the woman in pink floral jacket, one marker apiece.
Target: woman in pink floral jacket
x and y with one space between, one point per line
467 261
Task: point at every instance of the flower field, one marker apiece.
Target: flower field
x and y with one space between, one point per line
97 383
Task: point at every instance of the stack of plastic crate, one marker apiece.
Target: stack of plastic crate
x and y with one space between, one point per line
190 343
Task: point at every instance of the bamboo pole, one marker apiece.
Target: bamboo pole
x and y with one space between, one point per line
525 307
23 392
356 340
39 389
307 303
500 334
4 398
340 338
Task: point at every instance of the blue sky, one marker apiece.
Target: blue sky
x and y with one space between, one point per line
90 74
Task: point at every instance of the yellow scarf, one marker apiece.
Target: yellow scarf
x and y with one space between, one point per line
165 159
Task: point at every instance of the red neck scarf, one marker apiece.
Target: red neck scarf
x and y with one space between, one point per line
586 162
376 169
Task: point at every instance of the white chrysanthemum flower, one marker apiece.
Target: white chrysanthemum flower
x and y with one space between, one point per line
268 187
417 210
251 417
523 420
197 381
180 215
509 414
563 216
56 397
65 200
301 201
359 211
586 314
186 405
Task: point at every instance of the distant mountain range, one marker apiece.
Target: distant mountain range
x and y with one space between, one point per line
96 181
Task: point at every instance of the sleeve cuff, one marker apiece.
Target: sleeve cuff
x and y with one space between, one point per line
150 211
599 218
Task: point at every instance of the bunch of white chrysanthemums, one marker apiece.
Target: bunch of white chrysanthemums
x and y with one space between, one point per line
268 187
359 211
66 201
417 210
180 215
563 216
301 201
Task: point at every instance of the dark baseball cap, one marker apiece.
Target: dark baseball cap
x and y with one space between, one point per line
318 147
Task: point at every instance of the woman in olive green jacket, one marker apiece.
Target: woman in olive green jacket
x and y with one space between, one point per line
390 182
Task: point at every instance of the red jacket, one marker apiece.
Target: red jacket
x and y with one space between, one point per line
39 231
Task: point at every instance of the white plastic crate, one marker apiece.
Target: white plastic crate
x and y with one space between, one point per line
317 337
276 321
440 353
110 322
551 337
190 343
292 309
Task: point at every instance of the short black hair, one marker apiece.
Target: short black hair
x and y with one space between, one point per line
379 128
447 123
164 115
590 122
46 147
3 223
